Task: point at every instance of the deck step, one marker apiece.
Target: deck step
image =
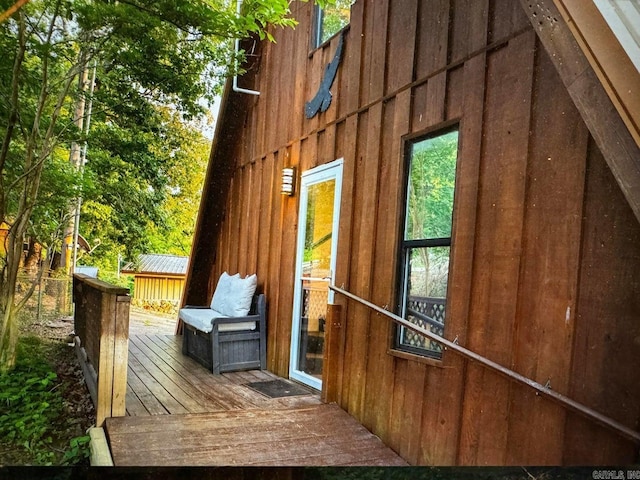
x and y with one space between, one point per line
312 436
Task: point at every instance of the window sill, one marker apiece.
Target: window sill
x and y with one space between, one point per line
416 358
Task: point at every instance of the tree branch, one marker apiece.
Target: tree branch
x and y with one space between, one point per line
12 9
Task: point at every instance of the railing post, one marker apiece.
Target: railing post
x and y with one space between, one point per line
102 329
332 358
112 371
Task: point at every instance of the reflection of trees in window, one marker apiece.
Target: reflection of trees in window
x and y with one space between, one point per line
427 238
318 229
430 204
332 19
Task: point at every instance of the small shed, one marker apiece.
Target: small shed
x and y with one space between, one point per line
158 277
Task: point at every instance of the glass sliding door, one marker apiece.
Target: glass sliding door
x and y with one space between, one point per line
315 264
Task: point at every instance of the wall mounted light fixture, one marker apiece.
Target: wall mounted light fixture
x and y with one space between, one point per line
288 181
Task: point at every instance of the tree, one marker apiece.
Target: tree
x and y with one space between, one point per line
148 53
145 183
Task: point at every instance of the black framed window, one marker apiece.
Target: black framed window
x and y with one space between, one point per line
426 241
331 19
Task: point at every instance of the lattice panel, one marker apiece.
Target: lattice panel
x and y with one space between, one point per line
431 307
314 303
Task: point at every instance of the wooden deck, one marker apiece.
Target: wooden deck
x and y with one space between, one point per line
178 413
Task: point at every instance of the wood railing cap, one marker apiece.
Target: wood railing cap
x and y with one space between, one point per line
101 285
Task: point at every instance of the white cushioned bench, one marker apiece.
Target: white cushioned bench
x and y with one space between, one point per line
230 333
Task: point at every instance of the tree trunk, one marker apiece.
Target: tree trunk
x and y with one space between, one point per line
75 159
9 330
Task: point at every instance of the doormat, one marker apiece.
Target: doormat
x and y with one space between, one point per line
278 388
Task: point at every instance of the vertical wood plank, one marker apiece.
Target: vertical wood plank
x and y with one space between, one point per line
254 216
241 244
349 230
374 55
272 98
379 377
548 289
332 353
327 145
105 365
262 105
605 364
268 190
286 83
400 56
121 355
455 96
286 266
498 247
431 37
350 79
315 70
505 18
275 250
347 148
295 109
468 28
362 280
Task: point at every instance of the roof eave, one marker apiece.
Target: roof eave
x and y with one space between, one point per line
613 136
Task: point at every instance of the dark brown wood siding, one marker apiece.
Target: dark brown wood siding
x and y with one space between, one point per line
545 272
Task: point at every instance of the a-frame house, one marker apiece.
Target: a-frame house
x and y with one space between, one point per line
536 106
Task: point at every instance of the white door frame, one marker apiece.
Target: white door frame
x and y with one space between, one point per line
322 173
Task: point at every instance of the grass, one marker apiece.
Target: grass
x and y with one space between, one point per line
37 422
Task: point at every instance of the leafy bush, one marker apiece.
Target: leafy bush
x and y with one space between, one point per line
30 405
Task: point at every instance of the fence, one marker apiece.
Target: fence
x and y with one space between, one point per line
50 299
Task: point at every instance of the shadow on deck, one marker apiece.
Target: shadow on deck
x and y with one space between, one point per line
178 413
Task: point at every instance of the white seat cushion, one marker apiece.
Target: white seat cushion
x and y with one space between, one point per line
200 318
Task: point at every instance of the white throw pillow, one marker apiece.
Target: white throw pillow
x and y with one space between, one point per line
238 302
222 292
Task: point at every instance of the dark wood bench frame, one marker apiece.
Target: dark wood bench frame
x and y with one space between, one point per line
229 351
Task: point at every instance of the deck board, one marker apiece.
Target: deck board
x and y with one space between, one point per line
316 435
179 413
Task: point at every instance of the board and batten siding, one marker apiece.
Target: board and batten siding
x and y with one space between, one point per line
545 269
158 287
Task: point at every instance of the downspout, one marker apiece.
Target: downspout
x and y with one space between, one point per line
234 85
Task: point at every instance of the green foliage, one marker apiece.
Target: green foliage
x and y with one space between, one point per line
146 181
30 403
112 278
78 450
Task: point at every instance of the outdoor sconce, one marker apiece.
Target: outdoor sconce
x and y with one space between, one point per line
288 181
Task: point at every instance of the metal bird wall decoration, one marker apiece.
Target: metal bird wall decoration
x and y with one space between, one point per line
322 99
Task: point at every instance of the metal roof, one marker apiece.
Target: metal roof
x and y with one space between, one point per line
158 263
88 271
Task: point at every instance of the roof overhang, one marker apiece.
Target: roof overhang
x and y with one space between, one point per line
601 80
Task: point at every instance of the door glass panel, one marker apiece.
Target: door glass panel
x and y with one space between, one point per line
316 272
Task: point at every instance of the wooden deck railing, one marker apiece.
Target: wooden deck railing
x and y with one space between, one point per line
336 340
101 323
